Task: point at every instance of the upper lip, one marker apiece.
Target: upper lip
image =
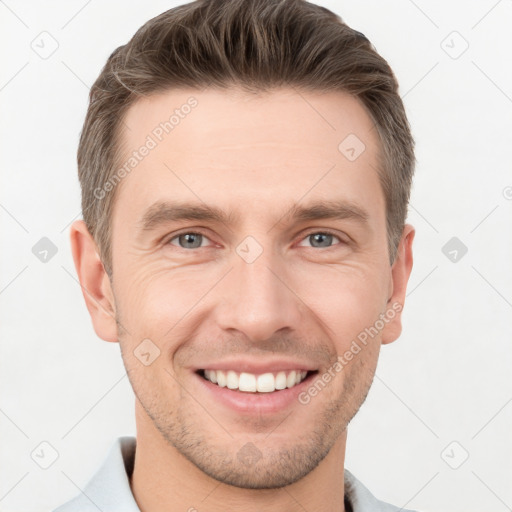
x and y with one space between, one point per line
258 367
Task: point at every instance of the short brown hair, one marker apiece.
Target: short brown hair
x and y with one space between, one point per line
256 45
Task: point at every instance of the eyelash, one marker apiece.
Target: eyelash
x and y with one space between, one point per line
315 232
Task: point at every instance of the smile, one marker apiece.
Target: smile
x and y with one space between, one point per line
252 383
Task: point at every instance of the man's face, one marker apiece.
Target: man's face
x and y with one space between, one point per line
262 290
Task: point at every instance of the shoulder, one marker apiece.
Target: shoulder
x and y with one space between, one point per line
109 488
362 500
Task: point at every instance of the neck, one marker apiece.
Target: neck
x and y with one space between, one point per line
164 480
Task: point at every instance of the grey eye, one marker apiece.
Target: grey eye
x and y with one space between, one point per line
189 240
321 239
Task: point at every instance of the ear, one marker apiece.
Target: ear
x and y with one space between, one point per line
94 280
400 272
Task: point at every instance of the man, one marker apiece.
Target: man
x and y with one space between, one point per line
245 168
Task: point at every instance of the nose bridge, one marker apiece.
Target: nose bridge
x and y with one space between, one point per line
255 299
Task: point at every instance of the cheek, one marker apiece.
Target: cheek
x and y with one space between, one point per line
155 299
153 384
347 299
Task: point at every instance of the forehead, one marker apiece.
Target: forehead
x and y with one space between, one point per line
228 147
217 118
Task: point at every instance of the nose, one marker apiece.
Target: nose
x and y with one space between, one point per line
257 299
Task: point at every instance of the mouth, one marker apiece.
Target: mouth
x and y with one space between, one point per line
244 382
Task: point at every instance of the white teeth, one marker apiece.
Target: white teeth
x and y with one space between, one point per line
265 384
221 378
290 380
232 380
281 380
248 382
211 375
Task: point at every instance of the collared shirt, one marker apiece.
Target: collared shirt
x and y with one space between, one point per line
109 489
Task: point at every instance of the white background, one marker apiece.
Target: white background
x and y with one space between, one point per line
447 378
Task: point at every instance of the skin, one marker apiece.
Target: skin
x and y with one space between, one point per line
257 156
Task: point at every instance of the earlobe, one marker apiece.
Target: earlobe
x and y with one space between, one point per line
94 281
400 272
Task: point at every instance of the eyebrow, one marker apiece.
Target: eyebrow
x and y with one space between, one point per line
325 209
163 212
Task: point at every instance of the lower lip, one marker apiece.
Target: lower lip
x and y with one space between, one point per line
256 403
